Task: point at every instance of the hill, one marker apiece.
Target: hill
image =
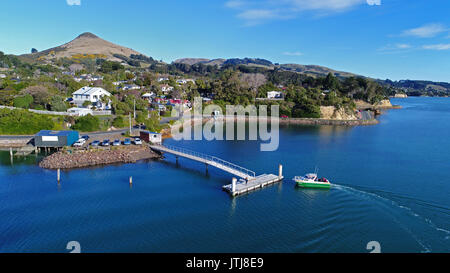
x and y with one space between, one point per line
418 87
310 70
87 44
87 47
316 70
410 87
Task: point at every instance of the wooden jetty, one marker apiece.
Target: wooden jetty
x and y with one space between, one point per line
248 179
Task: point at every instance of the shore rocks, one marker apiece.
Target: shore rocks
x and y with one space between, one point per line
331 113
314 121
80 159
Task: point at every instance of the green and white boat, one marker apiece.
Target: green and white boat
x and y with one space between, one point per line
310 181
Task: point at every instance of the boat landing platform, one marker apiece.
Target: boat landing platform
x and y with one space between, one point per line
242 186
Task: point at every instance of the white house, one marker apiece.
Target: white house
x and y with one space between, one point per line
96 78
131 87
88 77
92 94
166 88
148 96
119 83
2 76
274 95
162 79
80 111
184 81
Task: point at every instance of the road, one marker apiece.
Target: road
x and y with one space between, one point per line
164 120
15 137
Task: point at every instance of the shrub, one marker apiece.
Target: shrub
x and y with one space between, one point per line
87 123
57 104
23 102
23 122
119 122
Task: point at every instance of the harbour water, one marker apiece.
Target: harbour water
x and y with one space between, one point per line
391 181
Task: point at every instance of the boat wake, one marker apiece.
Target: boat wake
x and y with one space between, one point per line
420 239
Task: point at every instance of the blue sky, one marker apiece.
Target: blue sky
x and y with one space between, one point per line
395 39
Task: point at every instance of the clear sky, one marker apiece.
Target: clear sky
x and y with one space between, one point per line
395 39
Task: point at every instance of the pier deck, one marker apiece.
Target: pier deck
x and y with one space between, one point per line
206 159
258 182
248 182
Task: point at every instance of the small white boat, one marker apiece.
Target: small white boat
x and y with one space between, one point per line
310 180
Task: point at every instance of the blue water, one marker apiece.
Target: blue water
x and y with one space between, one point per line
392 186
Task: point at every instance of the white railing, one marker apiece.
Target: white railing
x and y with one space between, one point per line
212 159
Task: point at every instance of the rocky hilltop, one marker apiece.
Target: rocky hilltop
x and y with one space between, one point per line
85 44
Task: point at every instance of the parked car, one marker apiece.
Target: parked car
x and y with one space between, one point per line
140 126
105 142
95 143
79 142
137 141
284 116
127 141
116 142
86 137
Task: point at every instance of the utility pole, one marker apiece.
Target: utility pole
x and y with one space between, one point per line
134 109
129 115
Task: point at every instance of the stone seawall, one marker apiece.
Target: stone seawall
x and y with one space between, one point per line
81 159
282 121
308 121
313 121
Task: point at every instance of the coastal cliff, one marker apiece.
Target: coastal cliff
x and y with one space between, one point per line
383 104
400 95
331 113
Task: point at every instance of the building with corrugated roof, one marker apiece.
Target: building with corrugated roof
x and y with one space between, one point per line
93 95
55 139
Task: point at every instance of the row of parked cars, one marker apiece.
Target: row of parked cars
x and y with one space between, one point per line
107 142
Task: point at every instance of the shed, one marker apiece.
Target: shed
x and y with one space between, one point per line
151 137
55 139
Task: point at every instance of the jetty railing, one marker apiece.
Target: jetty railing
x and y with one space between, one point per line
212 159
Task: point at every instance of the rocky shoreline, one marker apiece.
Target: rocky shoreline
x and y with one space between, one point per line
312 121
81 159
316 121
